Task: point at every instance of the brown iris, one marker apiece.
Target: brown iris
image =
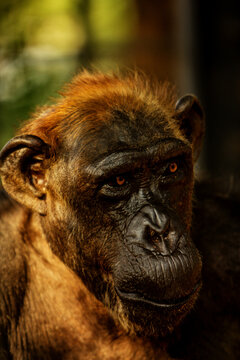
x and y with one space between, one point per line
120 180
173 167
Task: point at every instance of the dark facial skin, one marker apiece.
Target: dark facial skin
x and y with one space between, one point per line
144 266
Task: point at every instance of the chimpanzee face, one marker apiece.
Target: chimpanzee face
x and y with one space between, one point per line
128 218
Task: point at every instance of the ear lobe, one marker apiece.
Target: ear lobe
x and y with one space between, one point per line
22 170
191 119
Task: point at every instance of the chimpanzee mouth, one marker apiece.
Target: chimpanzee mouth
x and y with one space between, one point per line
166 303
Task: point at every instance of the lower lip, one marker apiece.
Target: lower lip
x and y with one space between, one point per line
171 303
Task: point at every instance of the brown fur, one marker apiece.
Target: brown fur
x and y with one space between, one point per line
89 97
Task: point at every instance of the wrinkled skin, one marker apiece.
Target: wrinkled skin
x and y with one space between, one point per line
98 260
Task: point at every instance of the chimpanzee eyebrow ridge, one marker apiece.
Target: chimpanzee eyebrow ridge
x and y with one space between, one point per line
126 158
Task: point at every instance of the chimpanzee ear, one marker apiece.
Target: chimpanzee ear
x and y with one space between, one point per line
191 119
22 170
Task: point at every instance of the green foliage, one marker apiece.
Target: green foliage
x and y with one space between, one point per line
43 43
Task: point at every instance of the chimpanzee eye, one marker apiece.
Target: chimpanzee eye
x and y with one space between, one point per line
173 167
118 181
116 186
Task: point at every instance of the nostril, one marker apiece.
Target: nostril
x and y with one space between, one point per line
153 230
162 230
166 229
164 242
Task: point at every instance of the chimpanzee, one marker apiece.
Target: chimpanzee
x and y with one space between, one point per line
98 239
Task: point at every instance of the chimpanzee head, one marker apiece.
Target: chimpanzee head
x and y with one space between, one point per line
109 170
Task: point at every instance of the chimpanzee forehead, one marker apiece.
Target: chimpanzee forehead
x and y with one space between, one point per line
121 131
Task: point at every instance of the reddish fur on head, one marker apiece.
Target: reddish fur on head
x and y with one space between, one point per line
90 97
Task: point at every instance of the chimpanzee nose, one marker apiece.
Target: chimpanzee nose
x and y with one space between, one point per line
153 229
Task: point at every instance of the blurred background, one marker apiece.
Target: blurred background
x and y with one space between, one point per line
193 43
